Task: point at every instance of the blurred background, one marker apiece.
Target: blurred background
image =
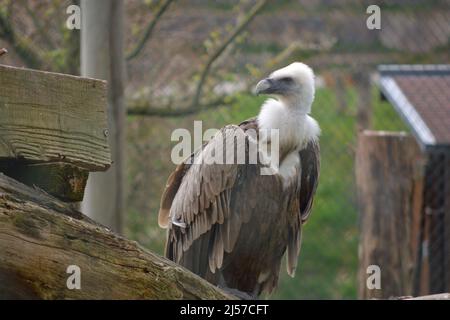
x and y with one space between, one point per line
192 60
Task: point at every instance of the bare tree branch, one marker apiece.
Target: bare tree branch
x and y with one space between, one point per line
38 25
71 43
220 49
149 30
281 58
143 109
25 52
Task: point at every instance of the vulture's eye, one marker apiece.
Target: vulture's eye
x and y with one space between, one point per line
286 80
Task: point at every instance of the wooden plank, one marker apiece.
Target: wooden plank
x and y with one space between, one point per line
50 117
389 179
41 236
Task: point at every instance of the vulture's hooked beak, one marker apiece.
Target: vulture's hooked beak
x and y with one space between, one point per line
264 86
270 86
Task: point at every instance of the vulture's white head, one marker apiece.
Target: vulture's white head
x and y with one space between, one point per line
293 85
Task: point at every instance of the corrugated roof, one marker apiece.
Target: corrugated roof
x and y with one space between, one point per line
421 95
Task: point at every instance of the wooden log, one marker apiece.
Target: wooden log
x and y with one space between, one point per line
439 296
40 237
389 176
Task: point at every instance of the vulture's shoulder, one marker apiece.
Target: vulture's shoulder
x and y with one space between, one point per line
249 124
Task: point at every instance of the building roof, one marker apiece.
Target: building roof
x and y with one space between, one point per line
421 95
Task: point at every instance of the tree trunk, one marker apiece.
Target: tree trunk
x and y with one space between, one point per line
41 237
390 186
102 57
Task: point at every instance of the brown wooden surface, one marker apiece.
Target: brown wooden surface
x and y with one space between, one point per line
41 236
53 117
364 111
53 130
389 174
64 181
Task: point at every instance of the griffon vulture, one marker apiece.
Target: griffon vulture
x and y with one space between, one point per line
229 223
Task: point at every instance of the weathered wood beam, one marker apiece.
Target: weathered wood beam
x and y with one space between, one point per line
41 236
53 130
53 117
389 178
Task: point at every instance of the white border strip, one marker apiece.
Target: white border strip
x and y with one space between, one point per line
402 104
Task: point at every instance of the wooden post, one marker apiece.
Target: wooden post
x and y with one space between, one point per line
102 57
53 130
364 107
389 180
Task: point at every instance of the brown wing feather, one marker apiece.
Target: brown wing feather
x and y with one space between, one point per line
310 163
172 185
309 177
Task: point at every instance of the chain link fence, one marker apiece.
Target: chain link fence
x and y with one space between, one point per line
331 36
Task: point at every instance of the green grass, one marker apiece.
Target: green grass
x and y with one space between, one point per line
328 259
